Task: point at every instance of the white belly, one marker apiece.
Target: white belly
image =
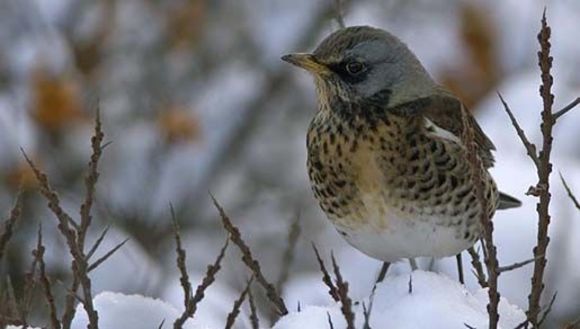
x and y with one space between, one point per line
404 238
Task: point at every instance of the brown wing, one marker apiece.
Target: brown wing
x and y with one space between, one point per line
444 110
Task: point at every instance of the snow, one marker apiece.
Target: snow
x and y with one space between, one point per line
443 303
131 312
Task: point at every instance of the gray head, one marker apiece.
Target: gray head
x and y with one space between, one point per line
357 62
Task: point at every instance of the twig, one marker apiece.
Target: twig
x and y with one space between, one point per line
91 180
566 108
47 289
569 191
250 262
106 256
10 222
548 310
209 278
97 242
544 168
69 308
190 301
530 147
491 262
339 13
184 276
288 257
342 290
380 278
75 236
330 324
254 320
517 265
332 290
477 267
231 319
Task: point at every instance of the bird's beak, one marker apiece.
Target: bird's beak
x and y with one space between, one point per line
306 61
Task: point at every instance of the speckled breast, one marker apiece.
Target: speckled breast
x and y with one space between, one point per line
388 172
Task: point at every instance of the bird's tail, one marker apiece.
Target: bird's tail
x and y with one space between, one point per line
508 201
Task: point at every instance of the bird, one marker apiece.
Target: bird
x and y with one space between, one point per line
385 154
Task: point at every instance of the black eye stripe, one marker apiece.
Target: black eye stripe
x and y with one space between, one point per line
341 69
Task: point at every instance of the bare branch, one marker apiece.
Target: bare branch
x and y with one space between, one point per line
97 243
184 276
569 191
254 320
190 301
10 222
380 278
69 308
91 180
548 310
566 108
339 13
342 290
288 257
517 265
330 324
232 316
544 168
477 267
47 289
249 260
209 277
491 262
54 203
530 147
106 256
332 290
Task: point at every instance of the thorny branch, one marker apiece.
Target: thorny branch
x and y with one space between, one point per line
190 301
530 147
477 267
250 262
46 286
232 316
491 261
543 169
342 290
10 222
332 290
288 257
75 235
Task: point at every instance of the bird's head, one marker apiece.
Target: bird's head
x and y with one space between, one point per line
356 63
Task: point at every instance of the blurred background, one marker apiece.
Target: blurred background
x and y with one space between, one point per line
194 98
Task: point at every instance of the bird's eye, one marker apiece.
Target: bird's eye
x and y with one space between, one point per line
354 68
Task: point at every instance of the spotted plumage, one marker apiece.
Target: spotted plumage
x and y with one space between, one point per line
385 155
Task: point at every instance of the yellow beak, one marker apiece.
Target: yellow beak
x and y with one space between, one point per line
306 61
